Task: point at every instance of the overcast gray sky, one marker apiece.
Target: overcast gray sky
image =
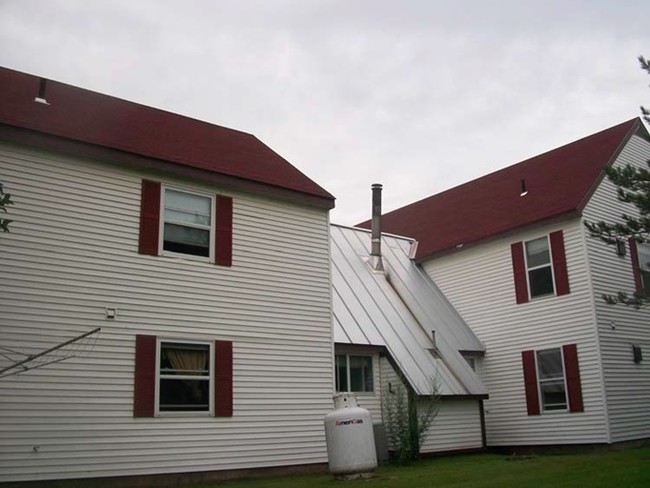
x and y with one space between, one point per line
418 95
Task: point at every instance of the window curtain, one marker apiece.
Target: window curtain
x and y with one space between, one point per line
188 360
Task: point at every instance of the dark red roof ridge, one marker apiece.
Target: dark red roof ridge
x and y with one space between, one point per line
559 182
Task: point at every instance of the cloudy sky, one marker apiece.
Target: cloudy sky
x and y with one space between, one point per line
418 95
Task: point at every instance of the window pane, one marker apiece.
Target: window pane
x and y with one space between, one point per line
361 373
643 251
541 281
184 394
645 281
549 364
537 253
551 379
341 373
178 395
184 359
553 395
181 207
188 240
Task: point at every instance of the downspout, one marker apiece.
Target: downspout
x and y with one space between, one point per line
481 407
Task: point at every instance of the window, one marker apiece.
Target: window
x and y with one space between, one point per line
473 359
354 373
539 267
550 373
644 266
552 380
640 257
189 223
184 377
178 376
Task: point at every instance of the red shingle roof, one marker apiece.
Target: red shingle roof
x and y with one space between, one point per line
89 117
558 182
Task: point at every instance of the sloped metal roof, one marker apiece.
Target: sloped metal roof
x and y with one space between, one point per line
398 309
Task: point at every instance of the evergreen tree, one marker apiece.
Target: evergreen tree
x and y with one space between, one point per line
5 200
633 187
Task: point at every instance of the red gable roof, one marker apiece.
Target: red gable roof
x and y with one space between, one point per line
558 182
89 117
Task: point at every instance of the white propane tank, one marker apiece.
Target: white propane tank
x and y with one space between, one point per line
350 438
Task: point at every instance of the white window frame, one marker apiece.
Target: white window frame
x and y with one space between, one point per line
212 228
539 382
533 268
210 379
348 378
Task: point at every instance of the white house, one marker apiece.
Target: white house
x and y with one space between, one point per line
201 254
392 324
511 253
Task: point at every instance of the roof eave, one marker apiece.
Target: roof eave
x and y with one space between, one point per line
33 138
572 213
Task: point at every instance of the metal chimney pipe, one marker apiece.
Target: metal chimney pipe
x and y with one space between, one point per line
375 247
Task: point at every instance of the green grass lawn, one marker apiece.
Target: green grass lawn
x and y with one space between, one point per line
625 469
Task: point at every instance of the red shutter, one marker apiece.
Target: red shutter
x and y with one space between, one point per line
530 382
149 218
223 237
572 373
519 271
559 263
223 379
145 376
636 269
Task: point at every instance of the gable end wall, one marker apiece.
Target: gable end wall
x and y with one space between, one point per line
73 251
627 384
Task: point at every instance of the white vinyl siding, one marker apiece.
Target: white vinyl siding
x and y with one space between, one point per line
479 283
73 251
627 384
457 425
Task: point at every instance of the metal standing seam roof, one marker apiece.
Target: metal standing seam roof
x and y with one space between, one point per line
398 310
85 116
559 182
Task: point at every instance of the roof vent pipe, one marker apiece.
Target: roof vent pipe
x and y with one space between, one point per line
40 98
524 190
375 249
